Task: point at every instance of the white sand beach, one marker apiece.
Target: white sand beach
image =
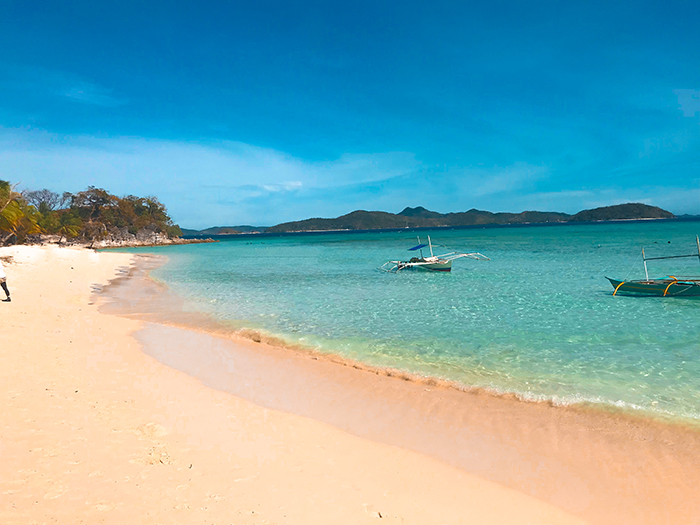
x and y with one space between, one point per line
97 431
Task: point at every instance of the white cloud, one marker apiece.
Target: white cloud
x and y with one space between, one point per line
58 84
90 94
230 183
688 101
508 179
284 186
214 179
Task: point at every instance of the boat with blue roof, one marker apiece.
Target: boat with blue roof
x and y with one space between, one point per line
432 262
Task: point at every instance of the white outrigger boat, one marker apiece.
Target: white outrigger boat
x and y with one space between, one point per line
434 263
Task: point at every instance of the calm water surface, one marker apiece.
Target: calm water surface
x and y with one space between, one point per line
538 320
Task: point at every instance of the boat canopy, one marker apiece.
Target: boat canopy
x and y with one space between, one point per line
438 263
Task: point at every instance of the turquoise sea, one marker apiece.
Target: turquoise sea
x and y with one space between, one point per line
538 319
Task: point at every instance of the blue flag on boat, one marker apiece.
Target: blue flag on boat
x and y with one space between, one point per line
417 247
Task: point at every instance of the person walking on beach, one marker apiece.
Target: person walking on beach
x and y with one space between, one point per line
3 283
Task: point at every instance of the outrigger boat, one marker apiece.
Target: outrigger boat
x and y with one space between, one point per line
434 263
665 287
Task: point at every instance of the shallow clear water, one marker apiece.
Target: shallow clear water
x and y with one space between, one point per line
538 320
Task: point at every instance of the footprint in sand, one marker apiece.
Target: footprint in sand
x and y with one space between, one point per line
18 481
55 493
151 430
157 455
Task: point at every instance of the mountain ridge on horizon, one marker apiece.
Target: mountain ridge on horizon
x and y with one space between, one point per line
420 217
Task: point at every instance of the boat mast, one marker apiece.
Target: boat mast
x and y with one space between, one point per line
697 241
431 247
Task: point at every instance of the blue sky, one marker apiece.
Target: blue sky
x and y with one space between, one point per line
263 112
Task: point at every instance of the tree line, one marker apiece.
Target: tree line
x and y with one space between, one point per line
88 216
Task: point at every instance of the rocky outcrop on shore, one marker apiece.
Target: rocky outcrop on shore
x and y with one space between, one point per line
122 241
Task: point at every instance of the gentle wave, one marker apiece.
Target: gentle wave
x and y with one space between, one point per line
537 321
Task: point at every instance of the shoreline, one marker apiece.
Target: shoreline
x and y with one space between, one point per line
112 244
167 310
95 430
617 441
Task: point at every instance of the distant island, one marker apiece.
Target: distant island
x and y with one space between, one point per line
420 217
225 230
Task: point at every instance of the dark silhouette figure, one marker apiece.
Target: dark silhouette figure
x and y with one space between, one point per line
3 284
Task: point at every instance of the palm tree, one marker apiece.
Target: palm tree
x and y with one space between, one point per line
17 218
70 226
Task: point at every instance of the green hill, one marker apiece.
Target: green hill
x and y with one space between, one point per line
420 217
224 230
633 210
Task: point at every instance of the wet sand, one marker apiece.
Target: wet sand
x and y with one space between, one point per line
96 431
605 467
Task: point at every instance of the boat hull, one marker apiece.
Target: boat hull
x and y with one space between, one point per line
441 266
437 267
656 287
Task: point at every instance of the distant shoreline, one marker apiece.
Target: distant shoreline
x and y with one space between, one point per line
428 228
420 217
